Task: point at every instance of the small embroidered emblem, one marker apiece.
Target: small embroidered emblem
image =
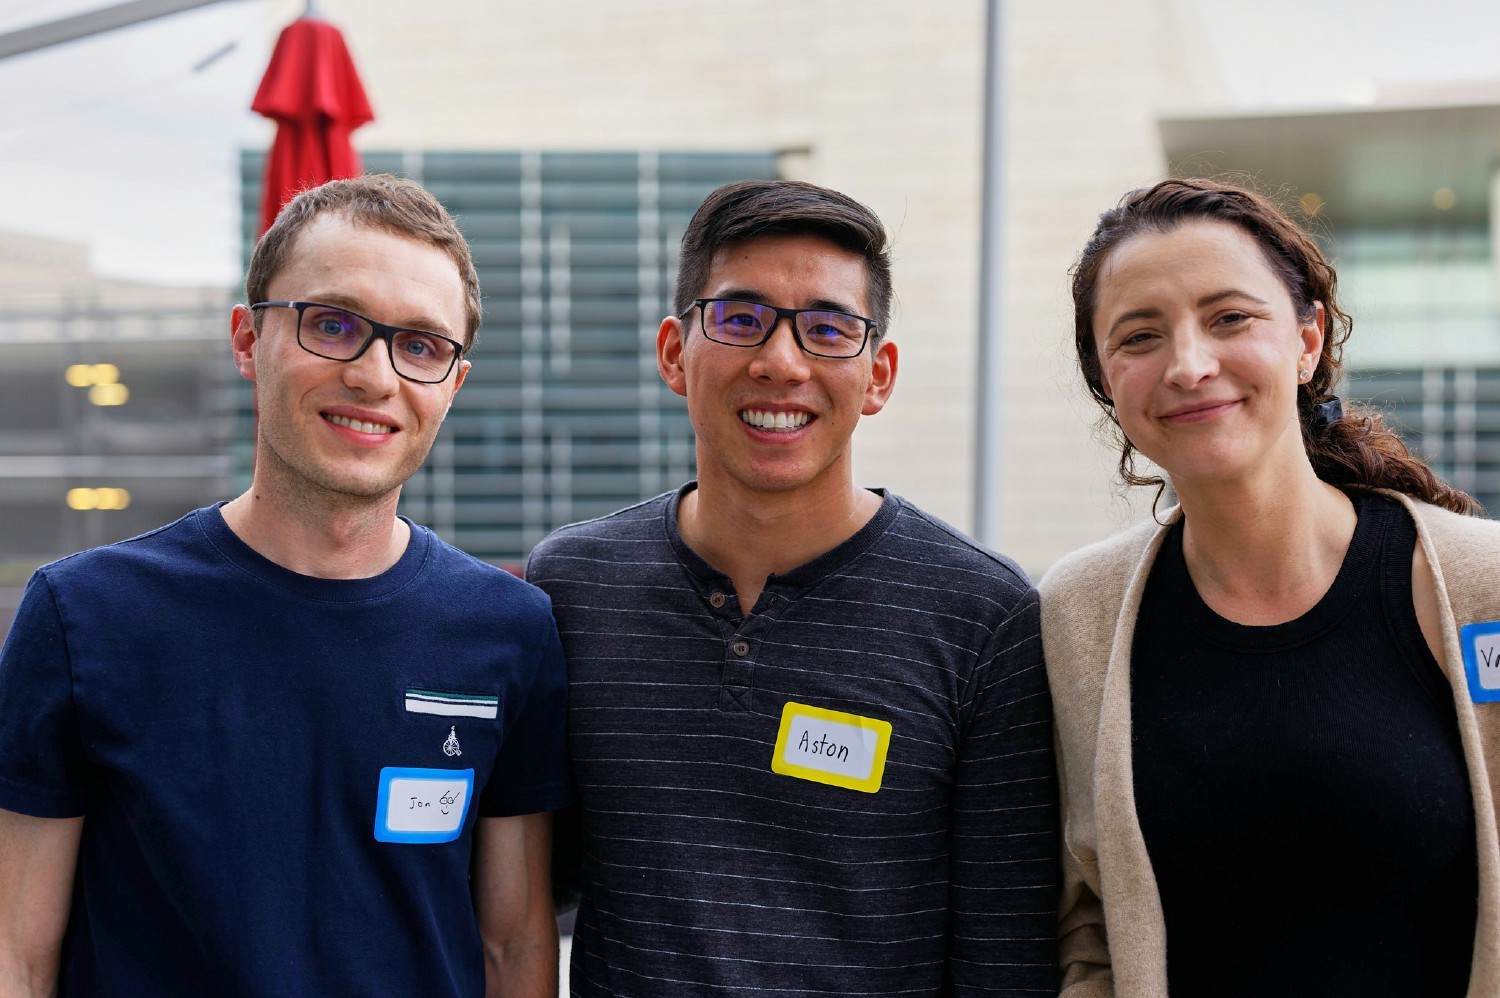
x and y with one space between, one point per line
450 747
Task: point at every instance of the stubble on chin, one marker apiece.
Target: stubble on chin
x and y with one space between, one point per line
302 476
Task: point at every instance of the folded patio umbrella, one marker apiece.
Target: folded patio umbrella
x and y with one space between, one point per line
312 92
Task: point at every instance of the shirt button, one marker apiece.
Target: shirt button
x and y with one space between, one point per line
740 648
716 600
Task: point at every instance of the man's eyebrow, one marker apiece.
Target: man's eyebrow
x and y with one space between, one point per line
822 304
421 323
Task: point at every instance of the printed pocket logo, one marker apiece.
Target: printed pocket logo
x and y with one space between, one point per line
828 746
452 704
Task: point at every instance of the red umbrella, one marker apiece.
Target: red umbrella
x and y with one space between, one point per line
313 93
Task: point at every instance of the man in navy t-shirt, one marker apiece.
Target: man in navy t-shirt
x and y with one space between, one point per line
294 744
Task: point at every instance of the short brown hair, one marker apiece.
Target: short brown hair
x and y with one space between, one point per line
379 201
749 209
1358 450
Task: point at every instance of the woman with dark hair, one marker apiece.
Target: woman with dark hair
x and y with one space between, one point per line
1279 746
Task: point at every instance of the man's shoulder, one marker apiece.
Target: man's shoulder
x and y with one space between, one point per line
451 571
616 537
936 546
155 550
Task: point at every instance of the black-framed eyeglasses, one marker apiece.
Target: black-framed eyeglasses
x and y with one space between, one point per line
818 331
338 334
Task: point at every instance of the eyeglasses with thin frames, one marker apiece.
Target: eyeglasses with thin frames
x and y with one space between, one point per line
819 331
335 333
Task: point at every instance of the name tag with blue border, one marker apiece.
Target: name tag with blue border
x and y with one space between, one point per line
1481 644
422 805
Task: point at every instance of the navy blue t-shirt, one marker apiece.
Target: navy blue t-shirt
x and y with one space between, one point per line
280 775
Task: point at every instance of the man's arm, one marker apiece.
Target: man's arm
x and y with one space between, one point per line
37 860
1003 843
513 902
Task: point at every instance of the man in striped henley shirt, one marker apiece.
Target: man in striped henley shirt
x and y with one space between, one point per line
809 723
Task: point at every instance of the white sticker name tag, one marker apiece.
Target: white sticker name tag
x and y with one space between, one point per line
1481 645
452 704
422 805
828 746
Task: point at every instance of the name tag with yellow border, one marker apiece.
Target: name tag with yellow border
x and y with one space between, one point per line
829 746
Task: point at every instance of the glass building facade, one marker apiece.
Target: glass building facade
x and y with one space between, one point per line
1427 343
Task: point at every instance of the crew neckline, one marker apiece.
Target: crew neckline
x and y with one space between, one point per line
1356 571
234 550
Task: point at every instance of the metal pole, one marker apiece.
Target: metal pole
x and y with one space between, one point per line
94 22
991 261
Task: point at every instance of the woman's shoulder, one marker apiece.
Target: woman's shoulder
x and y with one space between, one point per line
1083 593
1111 560
1447 521
1466 550
1455 535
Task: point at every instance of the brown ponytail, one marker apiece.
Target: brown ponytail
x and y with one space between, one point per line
1357 450
1360 451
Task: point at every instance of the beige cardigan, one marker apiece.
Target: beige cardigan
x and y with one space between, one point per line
1089 605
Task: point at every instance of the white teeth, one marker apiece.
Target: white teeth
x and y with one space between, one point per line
774 420
358 425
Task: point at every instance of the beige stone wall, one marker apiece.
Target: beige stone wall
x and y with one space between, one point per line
881 99
1084 85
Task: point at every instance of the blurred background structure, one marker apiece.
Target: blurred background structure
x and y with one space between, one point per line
574 140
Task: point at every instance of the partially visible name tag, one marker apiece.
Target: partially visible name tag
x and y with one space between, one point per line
828 746
1481 645
422 805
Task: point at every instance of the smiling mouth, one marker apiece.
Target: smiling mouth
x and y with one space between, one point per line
775 421
1199 411
358 425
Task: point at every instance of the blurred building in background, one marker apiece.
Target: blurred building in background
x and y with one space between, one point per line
573 141
114 414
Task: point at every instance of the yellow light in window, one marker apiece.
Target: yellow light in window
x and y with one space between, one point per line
85 375
1311 203
106 498
1443 199
109 394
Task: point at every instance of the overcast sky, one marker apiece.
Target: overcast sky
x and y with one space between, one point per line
128 143
118 142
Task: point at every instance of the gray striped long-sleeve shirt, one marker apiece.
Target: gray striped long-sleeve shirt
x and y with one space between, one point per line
705 870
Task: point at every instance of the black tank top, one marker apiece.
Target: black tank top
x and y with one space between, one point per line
1301 787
